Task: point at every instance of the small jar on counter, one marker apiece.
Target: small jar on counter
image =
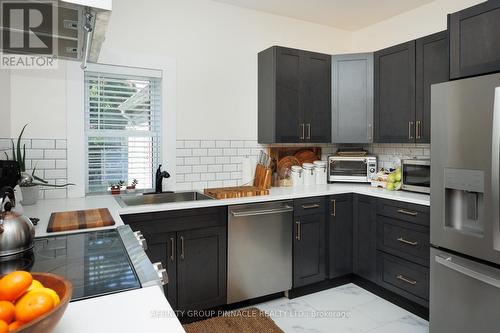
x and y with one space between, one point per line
309 178
320 172
297 175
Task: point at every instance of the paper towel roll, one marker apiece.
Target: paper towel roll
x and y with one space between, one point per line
248 165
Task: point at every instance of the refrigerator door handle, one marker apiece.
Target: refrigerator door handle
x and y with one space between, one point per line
495 167
468 271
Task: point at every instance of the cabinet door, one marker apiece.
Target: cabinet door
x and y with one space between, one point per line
340 235
432 66
365 238
474 42
316 98
352 98
395 94
289 116
309 250
201 268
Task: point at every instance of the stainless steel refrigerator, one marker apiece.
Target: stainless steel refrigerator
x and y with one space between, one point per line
465 207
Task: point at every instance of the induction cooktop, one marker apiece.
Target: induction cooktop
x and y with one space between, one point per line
96 262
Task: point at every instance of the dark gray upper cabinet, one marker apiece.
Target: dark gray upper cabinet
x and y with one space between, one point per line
340 235
432 66
395 94
474 42
352 98
294 96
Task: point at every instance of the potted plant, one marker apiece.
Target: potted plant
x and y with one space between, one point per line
131 187
117 188
30 184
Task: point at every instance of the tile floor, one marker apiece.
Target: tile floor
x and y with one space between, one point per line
345 309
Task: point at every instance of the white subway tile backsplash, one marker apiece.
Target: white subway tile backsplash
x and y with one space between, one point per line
55 174
55 154
43 144
34 153
221 164
61 144
44 164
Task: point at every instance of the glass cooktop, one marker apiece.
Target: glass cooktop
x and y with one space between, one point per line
96 263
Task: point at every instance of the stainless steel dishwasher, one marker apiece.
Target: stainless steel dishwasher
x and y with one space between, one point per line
259 250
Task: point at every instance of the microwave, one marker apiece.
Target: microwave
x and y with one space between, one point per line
416 176
355 169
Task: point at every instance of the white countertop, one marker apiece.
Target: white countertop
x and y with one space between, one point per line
141 310
44 208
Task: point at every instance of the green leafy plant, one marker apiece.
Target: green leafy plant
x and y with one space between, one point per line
19 155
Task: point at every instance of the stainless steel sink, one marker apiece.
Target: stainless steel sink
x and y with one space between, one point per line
155 199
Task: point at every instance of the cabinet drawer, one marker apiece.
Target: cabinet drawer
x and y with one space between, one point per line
403 277
404 240
308 206
412 213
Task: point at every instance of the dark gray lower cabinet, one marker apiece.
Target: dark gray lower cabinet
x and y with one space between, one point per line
201 269
365 237
192 245
340 235
309 250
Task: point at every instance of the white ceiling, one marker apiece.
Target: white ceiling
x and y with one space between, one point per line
342 14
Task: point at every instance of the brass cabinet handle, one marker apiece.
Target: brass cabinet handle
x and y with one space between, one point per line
406 280
303 127
334 208
308 131
410 126
298 230
172 249
311 206
407 212
404 241
418 129
182 248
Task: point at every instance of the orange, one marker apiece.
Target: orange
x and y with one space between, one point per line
7 310
33 305
52 294
15 325
14 285
4 328
35 284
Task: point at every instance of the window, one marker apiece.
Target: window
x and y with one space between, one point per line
122 128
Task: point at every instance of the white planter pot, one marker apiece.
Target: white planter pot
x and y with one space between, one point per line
30 195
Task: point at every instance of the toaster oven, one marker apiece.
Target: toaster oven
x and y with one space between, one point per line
356 169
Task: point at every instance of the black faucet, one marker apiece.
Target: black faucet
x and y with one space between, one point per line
159 179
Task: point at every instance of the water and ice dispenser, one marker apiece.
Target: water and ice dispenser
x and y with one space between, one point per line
464 200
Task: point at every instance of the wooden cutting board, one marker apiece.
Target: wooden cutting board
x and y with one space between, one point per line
80 219
235 192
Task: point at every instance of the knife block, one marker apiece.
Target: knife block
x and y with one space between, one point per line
263 177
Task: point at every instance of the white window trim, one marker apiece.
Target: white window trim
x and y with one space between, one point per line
75 106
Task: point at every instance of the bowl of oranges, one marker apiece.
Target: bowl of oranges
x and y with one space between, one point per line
32 302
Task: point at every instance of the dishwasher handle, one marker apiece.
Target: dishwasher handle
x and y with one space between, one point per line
244 213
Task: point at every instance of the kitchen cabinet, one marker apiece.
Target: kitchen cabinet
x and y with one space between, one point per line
403 249
352 98
191 244
395 94
294 96
201 268
432 66
474 42
309 250
365 237
340 235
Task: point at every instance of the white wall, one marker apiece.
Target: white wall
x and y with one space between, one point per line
215 46
422 21
38 97
5 104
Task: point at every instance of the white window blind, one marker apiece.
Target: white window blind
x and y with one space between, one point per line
123 129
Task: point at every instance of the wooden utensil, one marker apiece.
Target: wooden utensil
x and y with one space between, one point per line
47 322
306 156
